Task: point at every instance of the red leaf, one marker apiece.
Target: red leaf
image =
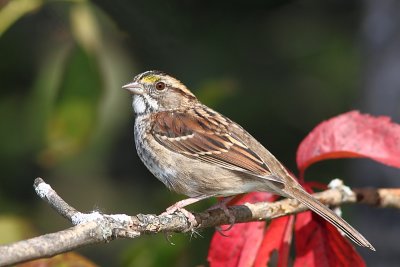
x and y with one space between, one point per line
253 197
278 237
240 245
351 135
318 243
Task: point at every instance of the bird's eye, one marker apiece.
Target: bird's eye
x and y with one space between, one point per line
160 86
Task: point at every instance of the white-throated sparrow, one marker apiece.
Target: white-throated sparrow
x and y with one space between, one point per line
200 153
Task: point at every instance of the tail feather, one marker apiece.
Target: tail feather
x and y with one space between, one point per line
316 206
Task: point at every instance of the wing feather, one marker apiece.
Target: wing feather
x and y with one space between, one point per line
196 135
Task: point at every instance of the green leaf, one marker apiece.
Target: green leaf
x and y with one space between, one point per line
74 114
13 228
14 10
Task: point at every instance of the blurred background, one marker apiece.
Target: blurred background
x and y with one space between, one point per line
277 67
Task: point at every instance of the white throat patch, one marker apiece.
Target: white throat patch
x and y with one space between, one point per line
138 104
144 104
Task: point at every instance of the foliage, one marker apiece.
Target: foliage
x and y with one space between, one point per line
69 259
276 67
317 243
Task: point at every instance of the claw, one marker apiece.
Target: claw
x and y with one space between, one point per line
221 231
222 205
192 220
167 236
178 206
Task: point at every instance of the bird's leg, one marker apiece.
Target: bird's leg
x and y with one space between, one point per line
178 206
222 205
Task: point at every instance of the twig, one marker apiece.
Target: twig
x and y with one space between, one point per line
90 228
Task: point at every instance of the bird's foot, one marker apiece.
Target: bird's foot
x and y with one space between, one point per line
222 205
178 206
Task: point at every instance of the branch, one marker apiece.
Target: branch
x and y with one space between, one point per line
91 228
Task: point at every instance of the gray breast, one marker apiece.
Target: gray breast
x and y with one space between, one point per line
150 154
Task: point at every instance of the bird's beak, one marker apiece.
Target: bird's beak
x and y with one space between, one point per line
134 88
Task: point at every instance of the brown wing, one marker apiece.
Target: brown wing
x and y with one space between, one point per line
203 135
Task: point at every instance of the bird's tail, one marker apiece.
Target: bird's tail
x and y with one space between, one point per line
319 208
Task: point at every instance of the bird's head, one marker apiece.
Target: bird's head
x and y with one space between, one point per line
155 91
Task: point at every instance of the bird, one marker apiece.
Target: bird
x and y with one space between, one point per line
200 153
